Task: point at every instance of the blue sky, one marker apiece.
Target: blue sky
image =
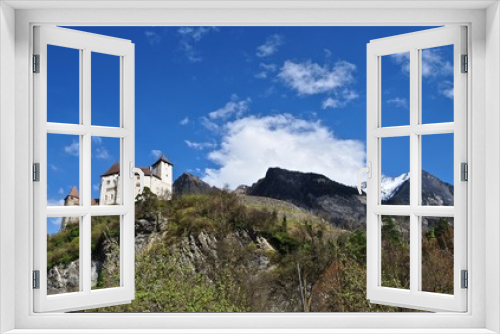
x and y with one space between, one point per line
226 103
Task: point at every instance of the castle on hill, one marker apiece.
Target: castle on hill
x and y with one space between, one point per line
158 178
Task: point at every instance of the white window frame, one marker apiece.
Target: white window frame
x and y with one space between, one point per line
85 43
414 43
482 18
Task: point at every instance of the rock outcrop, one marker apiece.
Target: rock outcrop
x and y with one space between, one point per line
188 184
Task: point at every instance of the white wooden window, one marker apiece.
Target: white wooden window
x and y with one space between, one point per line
84 44
413 47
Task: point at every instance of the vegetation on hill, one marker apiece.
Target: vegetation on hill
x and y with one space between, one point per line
214 253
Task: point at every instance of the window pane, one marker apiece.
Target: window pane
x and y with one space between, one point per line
437 84
63 253
437 254
63 85
437 169
105 252
106 176
105 90
395 168
63 170
395 252
395 90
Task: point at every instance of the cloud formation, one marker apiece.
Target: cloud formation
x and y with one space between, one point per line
446 89
235 108
156 154
265 70
153 37
73 149
102 153
309 78
251 145
189 37
270 47
184 121
434 68
199 146
340 99
398 102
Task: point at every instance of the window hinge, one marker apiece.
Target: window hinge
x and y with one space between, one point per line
465 279
464 171
36 279
36 63
465 64
36 172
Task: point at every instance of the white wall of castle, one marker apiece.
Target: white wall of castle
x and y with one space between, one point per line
110 190
111 186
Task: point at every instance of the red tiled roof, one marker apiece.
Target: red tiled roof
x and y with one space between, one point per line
164 159
73 192
114 169
146 171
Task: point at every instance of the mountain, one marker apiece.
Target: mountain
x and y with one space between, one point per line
434 191
390 185
339 204
188 184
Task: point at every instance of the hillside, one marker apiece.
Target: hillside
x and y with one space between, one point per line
338 204
232 252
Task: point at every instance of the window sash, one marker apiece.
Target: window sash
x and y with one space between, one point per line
86 43
413 43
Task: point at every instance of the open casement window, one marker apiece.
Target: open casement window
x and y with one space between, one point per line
82 126
418 222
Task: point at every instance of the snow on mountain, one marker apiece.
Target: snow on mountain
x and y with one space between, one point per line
389 185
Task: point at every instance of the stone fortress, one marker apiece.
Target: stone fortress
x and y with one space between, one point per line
158 178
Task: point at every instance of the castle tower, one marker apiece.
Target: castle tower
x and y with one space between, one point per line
163 170
71 199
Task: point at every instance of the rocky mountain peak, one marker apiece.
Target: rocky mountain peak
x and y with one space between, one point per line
188 184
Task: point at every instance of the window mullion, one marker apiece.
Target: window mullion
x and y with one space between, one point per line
85 173
415 178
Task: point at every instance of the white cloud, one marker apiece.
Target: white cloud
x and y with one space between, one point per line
55 202
73 149
402 59
153 37
234 107
270 47
310 78
446 89
189 36
102 153
196 33
340 99
265 70
253 144
96 186
209 125
199 146
54 168
184 121
330 103
398 102
328 52
60 191
156 153
97 140
433 63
